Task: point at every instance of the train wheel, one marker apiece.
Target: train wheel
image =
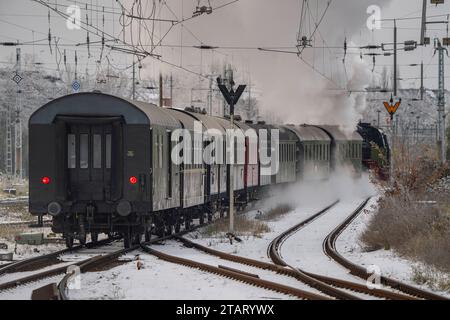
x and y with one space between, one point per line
169 229
69 242
127 240
82 239
148 235
160 230
177 226
137 239
187 223
94 237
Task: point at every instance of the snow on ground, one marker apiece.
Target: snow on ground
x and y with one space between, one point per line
178 249
25 251
159 279
14 213
389 262
19 275
251 246
24 292
163 280
307 199
304 248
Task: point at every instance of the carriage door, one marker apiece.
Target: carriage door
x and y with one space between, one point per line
89 161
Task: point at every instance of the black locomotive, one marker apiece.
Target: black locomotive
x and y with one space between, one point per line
375 150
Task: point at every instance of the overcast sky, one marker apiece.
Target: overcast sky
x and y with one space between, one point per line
245 23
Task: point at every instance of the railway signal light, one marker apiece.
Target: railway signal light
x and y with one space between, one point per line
45 180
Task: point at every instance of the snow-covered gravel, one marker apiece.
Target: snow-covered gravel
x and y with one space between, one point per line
159 279
178 249
24 292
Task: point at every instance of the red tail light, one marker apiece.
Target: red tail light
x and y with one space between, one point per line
133 180
45 180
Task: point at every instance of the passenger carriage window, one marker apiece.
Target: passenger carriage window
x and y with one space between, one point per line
160 150
286 153
84 151
97 151
169 165
108 151
71 151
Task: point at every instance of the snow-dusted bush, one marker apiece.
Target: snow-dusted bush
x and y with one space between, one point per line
413 216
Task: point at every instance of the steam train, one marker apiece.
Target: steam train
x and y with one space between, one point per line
104 164
376 153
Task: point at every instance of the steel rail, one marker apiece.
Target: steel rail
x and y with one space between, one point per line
324 282
239 276
329 247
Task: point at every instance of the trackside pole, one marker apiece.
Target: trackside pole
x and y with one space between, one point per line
232 97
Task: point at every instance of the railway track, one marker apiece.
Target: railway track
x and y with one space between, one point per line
329 247
30 223
40 262
291 272
231 273
235 274
91 264
16 201
274 253
283 270
43 261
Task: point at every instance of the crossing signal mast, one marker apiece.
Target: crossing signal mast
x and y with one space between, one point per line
13 159
438 47
231 97
18 121
441 100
